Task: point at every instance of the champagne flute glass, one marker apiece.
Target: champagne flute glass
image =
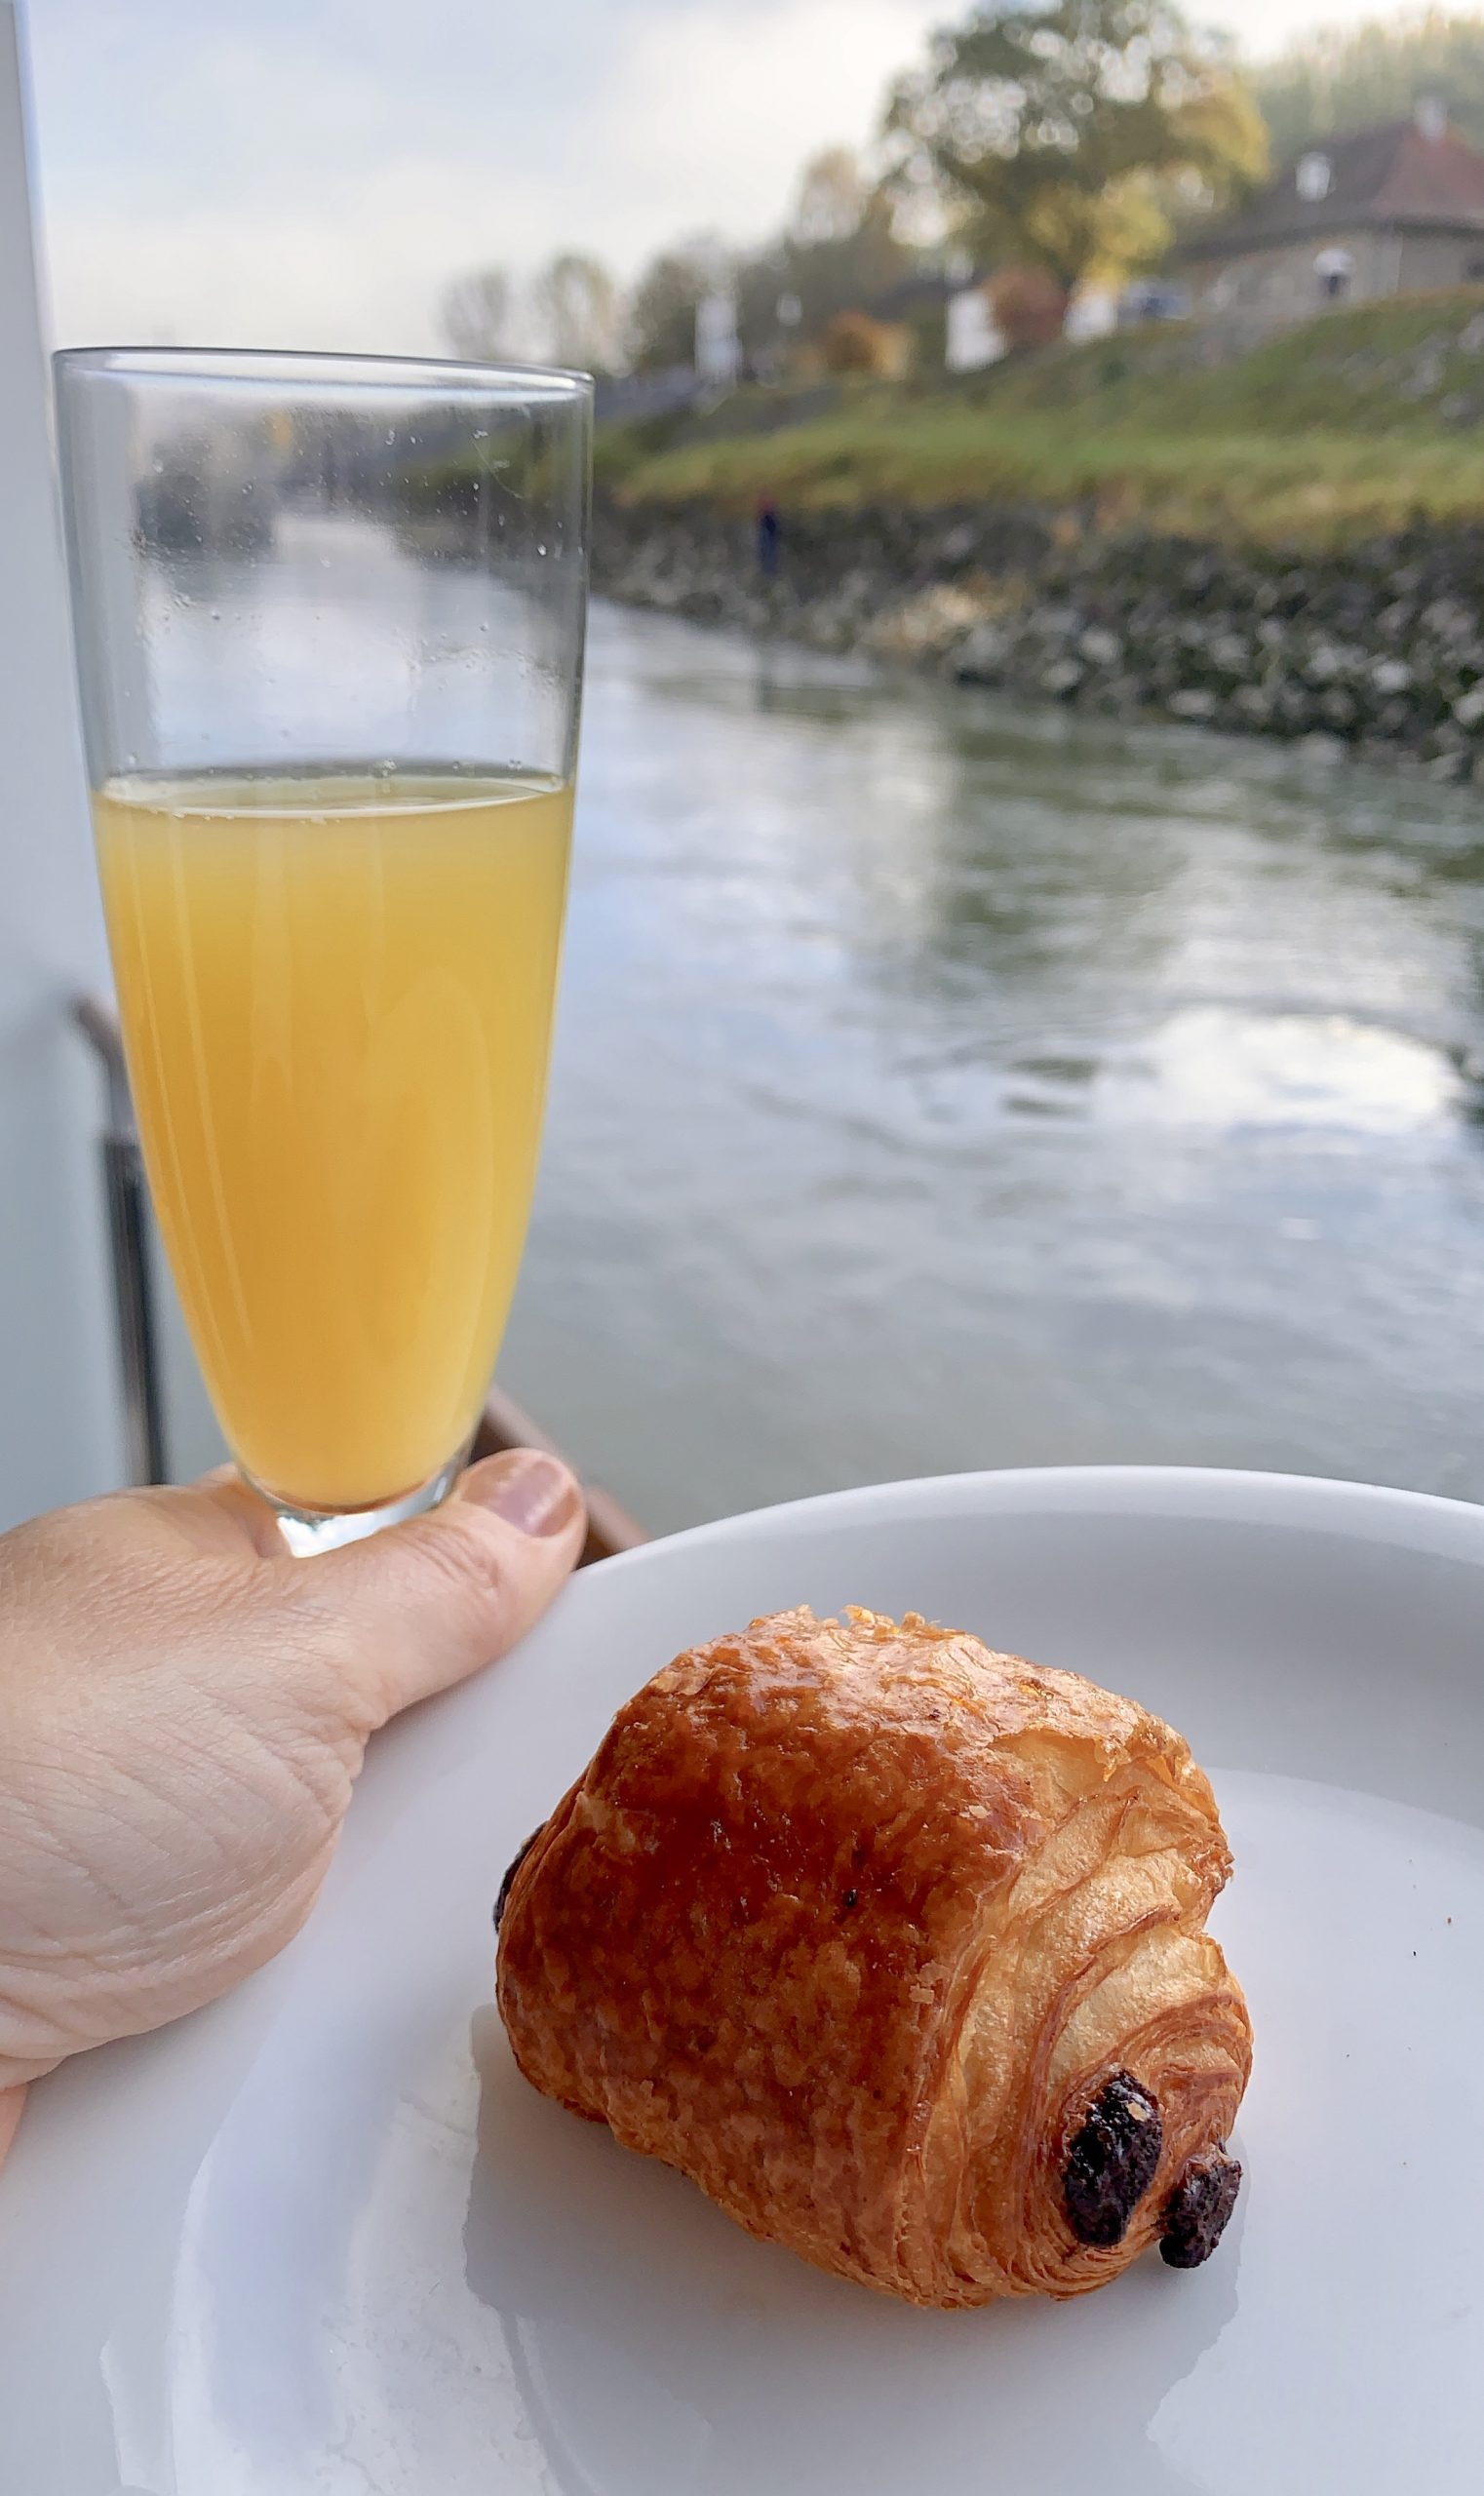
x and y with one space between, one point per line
329 615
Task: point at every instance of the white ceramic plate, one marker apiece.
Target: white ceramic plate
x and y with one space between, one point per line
324 2242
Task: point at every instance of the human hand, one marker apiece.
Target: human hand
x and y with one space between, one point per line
183 1710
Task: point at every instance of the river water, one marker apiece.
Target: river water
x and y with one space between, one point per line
943 1082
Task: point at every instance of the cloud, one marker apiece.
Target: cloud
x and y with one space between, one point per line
292 185
313 171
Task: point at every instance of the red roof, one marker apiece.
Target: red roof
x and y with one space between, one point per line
1433 179
1393 174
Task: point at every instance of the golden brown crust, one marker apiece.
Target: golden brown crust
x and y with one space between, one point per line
852 1921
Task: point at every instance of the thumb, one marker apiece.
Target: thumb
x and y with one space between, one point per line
426 1604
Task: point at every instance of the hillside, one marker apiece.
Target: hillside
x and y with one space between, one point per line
1358 422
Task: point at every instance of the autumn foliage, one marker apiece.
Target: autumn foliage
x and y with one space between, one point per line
854 344
1029 304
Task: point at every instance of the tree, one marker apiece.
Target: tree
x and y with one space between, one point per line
839 253
1028 305
846 271
831 198
1056 130
1340 81
475 316
855 344
577 304
661 330
762 283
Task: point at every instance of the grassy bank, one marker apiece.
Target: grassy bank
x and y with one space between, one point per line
1351 426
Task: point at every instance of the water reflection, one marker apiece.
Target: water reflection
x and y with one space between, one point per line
943 1082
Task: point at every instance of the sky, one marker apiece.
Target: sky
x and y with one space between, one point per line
312 172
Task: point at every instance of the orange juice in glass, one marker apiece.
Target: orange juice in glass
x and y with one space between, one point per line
329 622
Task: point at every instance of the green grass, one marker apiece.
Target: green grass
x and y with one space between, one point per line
1357 423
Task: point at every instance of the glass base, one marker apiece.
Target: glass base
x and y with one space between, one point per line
308 1531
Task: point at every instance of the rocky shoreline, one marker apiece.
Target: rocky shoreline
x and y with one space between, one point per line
1377 648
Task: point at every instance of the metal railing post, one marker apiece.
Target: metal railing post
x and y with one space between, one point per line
128 1248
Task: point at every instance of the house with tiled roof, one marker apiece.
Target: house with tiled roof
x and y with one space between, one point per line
1397 209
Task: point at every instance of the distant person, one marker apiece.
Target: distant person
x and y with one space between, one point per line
769 537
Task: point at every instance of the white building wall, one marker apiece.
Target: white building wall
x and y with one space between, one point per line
1271 288
1432 260
1093 313
973 335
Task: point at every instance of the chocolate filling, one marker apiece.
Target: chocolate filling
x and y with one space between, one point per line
512 1869
1199 2209
1113 2160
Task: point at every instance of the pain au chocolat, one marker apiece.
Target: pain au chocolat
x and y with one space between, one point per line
897 1947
